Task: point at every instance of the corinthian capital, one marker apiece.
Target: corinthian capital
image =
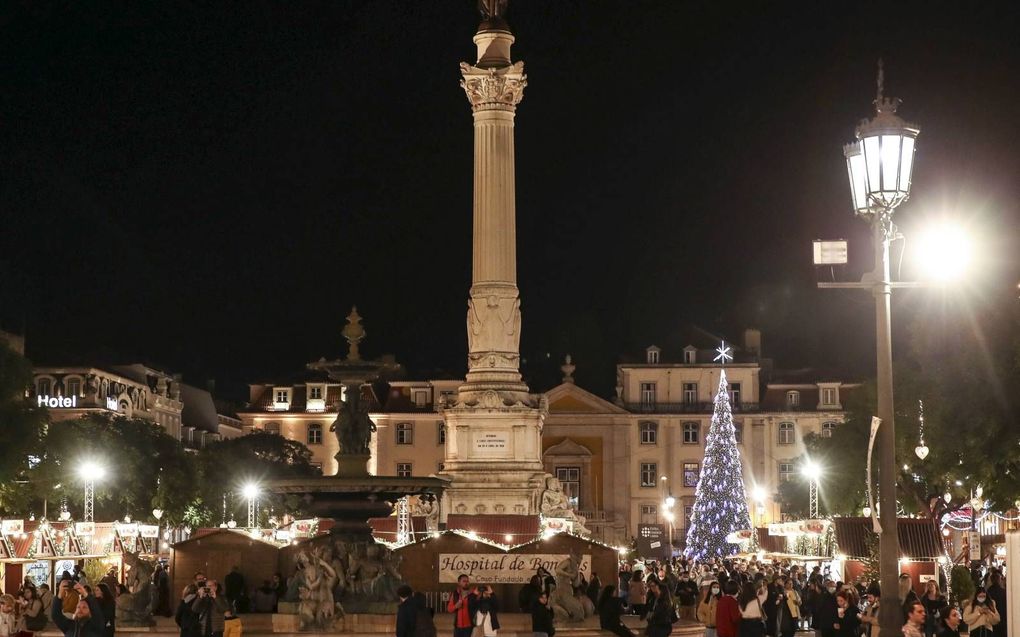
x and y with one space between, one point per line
494 88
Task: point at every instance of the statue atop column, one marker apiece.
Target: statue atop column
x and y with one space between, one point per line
353 427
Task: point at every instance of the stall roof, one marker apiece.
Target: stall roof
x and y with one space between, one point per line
918 538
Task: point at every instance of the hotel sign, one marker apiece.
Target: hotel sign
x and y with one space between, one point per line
497 568
57 402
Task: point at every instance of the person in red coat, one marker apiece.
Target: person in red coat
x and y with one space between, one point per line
727 613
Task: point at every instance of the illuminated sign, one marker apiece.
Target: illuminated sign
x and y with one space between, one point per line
111 404
57 401
830 252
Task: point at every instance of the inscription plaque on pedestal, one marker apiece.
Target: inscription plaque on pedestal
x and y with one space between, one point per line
490 443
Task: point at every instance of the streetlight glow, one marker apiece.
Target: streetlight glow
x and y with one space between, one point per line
945 252
811 470
90 470
758 494
670 502
250 490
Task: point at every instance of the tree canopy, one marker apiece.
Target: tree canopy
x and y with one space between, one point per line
966 370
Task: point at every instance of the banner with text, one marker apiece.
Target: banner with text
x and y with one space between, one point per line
493 568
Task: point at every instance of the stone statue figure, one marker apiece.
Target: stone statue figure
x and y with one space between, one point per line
564 604
134 608
555 503
494 324
492 8
353 427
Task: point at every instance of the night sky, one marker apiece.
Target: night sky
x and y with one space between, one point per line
210 187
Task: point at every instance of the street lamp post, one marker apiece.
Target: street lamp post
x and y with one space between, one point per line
668 515
251 492
812 472
90 472
879 163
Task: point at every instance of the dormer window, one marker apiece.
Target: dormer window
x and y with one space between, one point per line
420 397
690 355
315 401
281 398
829 397
652 355
792 399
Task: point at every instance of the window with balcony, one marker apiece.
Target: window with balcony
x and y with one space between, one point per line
793 399
785 471
692 473
649 433
405 433
649 474
828 428
735 394
690 393
738 432
692 433
648 394
403 469
314 436
441 433
787 433
570 478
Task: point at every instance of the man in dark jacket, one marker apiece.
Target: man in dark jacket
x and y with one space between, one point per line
406 612
234 583
825 615
542 616
88 620
687 596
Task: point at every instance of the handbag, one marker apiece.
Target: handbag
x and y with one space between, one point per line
479 624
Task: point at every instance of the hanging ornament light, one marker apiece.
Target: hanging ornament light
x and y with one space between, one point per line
921 449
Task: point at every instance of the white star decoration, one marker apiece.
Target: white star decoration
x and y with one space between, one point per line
724 353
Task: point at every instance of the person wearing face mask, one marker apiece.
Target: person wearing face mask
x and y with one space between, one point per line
981 614
707 606
824 616
687 596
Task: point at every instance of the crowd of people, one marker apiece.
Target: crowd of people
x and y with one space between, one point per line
731 597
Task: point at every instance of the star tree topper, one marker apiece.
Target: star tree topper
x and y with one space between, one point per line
724 353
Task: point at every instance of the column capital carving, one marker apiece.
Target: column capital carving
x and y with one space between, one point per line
493 88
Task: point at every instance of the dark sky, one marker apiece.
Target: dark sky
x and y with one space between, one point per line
211 186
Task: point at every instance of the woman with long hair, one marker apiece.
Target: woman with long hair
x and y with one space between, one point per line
752 613
980 613
935 607
708 602
108 604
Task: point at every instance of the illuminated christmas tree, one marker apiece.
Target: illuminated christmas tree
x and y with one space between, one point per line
720 505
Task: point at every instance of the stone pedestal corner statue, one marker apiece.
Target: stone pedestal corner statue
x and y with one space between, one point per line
134 608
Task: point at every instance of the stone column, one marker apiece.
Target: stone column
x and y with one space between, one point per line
494 86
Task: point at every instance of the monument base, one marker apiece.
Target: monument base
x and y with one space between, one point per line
353 465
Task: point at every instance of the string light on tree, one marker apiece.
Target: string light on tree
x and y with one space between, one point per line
921 449
720 505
